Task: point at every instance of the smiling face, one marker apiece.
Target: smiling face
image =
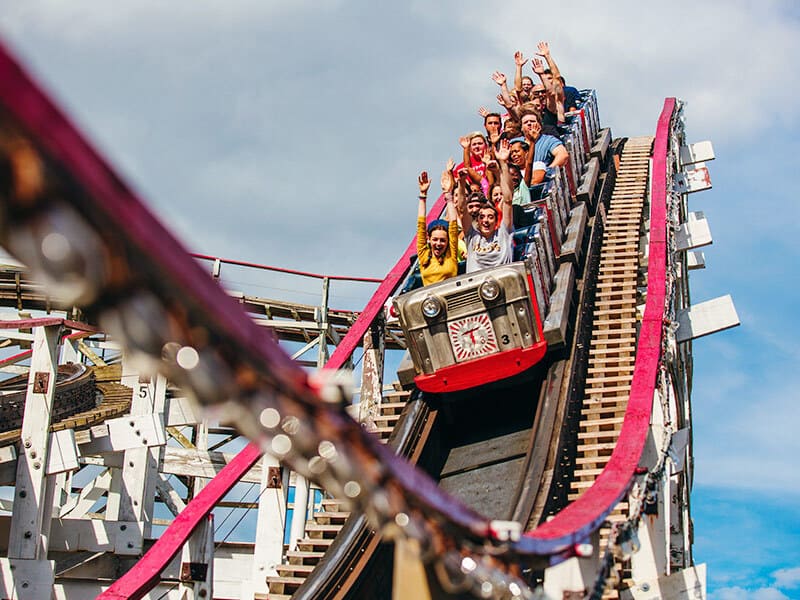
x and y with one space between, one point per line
517 154
438 242
487 221
527 84
477 146
496 194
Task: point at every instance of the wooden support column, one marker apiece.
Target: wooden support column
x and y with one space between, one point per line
31 574
372 371
197 563
268 548
133 488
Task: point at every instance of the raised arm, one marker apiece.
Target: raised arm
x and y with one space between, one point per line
556 87
505 183
424 184
560 156
464 217
519 62
448 183
544 51
500 79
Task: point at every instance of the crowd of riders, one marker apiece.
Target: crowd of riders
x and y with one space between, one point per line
484 193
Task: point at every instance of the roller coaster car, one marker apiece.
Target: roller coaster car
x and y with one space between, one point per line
473 329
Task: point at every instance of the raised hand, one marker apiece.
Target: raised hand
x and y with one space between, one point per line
464 141
494 137
451 164
448 181
543 49
503 151
538 66
499 78
424 183
482 111
487 156
492 166
519 60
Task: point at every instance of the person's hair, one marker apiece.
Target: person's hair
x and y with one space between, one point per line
511 126
528 106
530 111
486 118
491 190
490 206
438 224
548 72
563 81
476 134
513 167
475 197
524 77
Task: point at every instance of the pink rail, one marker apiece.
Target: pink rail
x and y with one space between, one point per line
579 519
252 265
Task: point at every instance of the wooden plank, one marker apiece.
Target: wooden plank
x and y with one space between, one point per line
474 456
706 318
572 247
586 191
602 142
557 320
199 463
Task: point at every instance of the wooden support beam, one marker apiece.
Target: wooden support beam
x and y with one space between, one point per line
697 152
29 524
199 463
694 178
706 318
601 145
555 325
572 247
688 583
694 233
586 191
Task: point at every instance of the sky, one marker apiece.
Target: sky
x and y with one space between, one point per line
291 134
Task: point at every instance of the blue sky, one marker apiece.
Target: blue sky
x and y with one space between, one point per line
292 133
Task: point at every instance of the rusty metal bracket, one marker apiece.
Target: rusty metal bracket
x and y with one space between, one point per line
274 477
193 571
41 382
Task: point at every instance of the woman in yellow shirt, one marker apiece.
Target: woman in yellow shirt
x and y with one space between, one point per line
437 247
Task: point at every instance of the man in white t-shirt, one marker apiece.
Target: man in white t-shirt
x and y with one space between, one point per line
487 244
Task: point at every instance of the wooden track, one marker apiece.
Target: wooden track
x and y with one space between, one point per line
114 401
614 333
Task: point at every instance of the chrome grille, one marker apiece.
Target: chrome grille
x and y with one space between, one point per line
462 299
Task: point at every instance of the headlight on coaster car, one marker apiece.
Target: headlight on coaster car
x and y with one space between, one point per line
489 289
431 307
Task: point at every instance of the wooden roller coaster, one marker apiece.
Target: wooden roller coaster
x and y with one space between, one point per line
570 482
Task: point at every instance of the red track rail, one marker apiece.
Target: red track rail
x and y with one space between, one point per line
575 523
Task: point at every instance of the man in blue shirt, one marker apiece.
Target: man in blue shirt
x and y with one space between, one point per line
547 149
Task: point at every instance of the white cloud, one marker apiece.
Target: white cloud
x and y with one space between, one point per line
738 593
787 578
